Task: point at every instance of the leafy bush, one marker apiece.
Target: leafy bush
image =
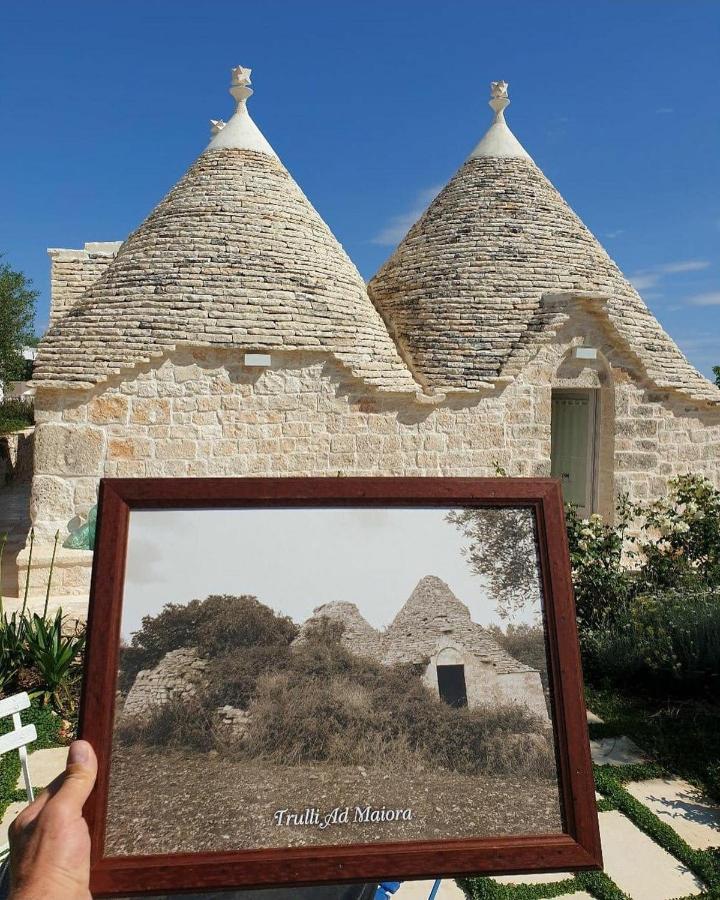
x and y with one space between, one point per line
226 623
233 678
173 627
54 656
38 656
660 639
648 600
216 626
15 414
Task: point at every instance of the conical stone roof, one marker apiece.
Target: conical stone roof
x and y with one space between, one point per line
358 634
462 293
433 618
234 256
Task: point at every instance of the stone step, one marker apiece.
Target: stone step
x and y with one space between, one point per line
616 751
420 890
683 807
638 866
534 878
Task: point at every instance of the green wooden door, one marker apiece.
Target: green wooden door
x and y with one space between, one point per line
570 456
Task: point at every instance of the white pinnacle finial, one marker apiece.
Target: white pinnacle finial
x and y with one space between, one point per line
240 132
499 142
499 99
240 85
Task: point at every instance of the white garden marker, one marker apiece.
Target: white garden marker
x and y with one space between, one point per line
19 737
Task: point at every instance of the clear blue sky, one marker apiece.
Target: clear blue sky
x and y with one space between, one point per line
373 105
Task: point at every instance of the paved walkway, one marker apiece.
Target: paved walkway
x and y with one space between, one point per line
640 867
15 520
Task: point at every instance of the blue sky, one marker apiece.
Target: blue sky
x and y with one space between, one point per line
372 106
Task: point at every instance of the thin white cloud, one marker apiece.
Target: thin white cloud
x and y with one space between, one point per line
709 298
689 265
616 233
399 225
641 282
651 277
665 110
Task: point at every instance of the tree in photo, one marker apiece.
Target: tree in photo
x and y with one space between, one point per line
17 315
502 550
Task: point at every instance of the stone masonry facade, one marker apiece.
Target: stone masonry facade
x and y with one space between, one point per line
202 412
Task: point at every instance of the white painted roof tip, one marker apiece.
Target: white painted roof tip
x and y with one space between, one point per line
240 133
499 142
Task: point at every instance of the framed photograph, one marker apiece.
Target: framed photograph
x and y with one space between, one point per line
306 680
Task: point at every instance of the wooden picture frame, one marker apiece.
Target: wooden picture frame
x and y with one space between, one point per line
576 848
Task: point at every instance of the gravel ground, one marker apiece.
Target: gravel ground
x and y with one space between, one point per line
171 802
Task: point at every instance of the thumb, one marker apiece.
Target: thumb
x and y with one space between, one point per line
73 787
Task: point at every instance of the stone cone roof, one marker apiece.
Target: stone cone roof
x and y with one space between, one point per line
433 618
358 635
234 256
462 293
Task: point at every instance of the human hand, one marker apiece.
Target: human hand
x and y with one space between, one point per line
50 841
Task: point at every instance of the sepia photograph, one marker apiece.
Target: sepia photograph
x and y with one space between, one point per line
295 677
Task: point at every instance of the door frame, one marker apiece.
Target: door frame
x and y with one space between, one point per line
592 489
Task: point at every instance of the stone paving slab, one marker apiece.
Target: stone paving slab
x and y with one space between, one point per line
420 890
533 878
593 719
578 895
44 766
616 751
8 819
639 866
682 806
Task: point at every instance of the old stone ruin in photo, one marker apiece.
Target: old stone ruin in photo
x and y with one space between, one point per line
466 666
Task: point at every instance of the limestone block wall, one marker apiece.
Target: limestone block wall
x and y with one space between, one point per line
73 271
202 413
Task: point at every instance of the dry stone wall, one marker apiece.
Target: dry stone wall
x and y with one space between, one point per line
177 676
202 413
73 271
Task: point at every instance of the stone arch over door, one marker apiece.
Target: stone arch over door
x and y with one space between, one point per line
583 394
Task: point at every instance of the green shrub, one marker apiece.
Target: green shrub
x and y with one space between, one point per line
667 638
54 656
648 608
15 415
38 656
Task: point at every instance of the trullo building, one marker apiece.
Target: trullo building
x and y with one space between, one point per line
230 335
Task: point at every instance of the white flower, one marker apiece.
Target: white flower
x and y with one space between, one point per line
681 527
